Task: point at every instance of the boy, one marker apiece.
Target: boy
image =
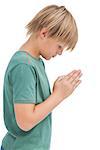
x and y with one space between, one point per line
28 100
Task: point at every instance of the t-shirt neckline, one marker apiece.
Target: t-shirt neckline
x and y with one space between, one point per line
37 59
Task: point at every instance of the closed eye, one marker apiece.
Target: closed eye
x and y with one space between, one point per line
59 46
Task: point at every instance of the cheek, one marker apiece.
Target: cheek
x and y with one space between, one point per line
51 52
45 52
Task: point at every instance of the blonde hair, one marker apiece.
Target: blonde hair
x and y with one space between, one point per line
59 22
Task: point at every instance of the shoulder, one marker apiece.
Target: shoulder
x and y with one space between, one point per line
20 61
22 74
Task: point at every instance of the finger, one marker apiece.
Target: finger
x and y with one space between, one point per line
77 83
74 76
61 77
70 74
76 79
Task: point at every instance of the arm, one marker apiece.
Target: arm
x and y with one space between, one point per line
29 115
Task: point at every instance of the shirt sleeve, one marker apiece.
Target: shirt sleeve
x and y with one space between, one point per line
24 84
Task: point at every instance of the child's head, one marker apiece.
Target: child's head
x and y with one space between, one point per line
57 23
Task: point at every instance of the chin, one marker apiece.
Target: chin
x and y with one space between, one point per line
47 57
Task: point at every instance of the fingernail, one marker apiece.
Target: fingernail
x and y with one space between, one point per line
79 70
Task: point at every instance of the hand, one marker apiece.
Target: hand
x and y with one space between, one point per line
66 84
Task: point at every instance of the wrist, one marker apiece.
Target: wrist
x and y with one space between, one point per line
56 96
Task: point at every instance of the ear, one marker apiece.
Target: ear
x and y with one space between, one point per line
43 33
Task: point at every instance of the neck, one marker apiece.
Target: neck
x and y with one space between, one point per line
31 46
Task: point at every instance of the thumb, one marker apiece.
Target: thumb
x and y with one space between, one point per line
60 77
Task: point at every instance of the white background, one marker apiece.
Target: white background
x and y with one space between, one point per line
76 121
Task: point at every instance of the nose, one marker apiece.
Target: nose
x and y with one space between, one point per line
60 52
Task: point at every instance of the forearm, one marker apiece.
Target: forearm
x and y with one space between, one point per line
42 110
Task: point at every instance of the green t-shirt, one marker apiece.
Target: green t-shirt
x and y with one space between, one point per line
25 81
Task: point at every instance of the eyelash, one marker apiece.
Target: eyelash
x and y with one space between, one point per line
59 46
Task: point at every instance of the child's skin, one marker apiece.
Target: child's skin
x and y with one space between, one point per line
47 47
28 115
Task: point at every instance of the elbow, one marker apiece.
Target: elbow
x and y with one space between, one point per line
24 116
25 124
25 128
